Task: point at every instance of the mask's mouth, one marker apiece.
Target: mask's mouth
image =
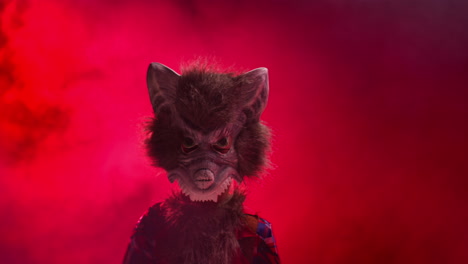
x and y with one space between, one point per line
204 178
210 194
205 184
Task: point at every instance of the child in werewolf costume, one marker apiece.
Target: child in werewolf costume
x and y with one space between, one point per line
208 136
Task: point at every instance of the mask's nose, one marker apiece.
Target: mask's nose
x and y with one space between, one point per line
204 178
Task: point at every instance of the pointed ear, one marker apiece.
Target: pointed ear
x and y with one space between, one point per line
162 83
255 93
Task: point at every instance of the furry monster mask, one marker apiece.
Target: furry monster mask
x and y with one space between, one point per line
207 130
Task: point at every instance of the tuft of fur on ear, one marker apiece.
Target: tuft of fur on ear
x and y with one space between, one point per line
253 142
162 143
162 83
255 93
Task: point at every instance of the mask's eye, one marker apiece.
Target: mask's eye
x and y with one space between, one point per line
188 145
222 145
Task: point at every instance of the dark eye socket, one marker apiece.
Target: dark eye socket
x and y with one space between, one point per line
223 142
222 145
188 145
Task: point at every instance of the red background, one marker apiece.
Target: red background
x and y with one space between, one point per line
368 103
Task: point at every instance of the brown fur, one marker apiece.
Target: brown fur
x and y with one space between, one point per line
202 233
252 144
163 142
208 100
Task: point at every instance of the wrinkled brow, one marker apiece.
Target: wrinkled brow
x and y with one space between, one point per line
228 131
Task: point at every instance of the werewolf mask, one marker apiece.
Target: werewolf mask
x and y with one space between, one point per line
207 130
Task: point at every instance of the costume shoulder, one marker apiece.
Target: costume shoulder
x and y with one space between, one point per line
143 241
266 250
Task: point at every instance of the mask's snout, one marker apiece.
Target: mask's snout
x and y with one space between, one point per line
204 178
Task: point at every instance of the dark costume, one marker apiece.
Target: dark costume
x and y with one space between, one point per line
156 238
207 135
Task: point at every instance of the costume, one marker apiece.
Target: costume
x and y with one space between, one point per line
208 136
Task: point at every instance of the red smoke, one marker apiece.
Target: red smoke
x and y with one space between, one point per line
367 102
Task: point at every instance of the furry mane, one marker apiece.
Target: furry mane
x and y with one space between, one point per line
195 232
